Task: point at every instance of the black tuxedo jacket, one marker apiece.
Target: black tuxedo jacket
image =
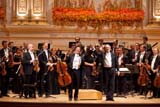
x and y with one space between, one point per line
43 60
144 58
27 66
157 62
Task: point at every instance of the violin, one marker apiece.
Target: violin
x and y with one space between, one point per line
36 65
11 59
94 70
50 67
3 66
64 78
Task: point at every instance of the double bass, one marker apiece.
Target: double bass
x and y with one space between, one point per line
64 78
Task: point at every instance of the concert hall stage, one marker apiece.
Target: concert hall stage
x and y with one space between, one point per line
62 101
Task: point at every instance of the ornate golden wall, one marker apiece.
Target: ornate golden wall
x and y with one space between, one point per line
32 29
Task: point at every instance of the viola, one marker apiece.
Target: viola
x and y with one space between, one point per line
94 70
36 65
11 59
50 68
3 66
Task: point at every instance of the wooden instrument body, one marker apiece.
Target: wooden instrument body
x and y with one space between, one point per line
143 78
36 66
156 82
64 78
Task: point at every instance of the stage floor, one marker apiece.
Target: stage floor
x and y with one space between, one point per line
63 98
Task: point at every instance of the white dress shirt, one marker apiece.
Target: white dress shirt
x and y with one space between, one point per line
108 60
32 55
141 56
76 62
153 62
120 59
46 52
6 52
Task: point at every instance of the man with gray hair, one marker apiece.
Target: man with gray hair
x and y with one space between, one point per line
28 64
110 65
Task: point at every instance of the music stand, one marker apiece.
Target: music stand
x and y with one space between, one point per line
124 71
131 67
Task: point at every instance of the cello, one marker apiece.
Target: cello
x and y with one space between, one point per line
143 78
157 79
64 78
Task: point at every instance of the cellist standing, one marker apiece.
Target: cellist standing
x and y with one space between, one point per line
141 59
74 67
154 62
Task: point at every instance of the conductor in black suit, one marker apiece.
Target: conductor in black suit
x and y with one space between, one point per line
74 62
110 67
28 64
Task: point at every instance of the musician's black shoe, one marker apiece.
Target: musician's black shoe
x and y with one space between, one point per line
47 96
75 99
40 95
6 95
70 99
109 99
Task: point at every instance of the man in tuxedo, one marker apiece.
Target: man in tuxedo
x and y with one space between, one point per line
154 62
110 67
141 59
4 54
28 64
74 62
44 73
121 79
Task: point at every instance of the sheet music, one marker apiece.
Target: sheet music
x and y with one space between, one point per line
126 70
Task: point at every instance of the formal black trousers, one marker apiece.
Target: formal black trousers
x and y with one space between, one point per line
75 75
109 77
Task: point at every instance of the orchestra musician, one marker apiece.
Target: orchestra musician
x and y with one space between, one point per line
4 55
154 64
110 67
74 62
55 88
17 73
44 63
28 64
148 46
89 63
98 54
141 59
121 78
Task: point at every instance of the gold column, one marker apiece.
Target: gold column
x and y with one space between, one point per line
154 11
38 9
22 7
29 10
